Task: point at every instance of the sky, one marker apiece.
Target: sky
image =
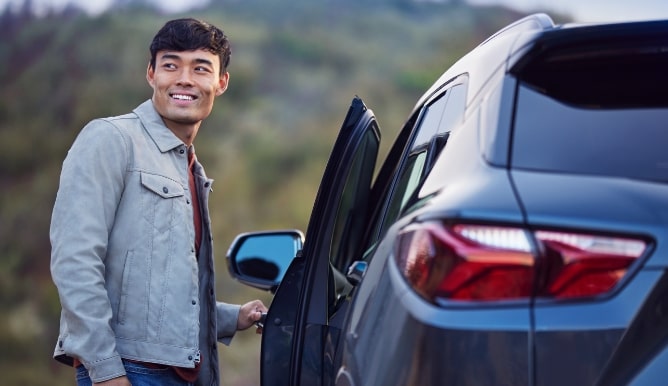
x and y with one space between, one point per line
592 10
580 10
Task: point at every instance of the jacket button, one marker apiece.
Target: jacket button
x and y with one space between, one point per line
194 302
206 184
187 201
181 151
60 343
190 357
164 189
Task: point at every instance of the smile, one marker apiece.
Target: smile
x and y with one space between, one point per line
183 97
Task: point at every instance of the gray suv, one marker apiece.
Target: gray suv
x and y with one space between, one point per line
515 234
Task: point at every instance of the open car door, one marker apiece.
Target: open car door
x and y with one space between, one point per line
302 329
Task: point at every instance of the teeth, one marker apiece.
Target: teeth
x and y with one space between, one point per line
182 97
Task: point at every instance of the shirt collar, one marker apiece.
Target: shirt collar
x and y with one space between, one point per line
155 126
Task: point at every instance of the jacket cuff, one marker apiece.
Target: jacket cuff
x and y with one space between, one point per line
228 317
105 369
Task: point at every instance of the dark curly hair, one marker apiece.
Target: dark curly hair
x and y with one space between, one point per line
191 34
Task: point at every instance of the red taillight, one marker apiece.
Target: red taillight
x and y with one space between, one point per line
466 262
490 263
585 265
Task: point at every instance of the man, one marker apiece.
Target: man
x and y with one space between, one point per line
131 240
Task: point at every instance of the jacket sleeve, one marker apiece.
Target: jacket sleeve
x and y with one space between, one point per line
91 184
228 316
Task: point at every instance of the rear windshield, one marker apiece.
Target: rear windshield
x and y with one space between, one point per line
603 114
552 136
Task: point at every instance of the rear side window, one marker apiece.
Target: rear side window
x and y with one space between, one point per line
438 119
596 108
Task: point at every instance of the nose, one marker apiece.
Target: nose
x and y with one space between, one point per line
184 78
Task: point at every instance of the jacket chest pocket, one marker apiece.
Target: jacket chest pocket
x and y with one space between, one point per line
160 198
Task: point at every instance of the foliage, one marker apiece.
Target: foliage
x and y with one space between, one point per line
294 70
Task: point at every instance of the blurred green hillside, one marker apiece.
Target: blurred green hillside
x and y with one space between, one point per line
294 70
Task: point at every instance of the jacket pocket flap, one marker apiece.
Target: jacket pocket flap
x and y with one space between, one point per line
161 185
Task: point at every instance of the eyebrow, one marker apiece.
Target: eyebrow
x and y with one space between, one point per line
177 57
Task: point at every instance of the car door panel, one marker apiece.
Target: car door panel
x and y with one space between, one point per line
298 323
278 331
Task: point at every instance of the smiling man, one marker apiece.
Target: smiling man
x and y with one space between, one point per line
131 241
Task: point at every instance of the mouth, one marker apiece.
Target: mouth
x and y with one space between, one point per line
183 97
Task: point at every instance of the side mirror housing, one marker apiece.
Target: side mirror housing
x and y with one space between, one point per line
260 259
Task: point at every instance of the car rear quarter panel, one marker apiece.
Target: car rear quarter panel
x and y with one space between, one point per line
575 340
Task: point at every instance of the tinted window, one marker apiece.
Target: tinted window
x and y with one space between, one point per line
429 122
622 142
454 110
431 134
408 182
586 68
350 213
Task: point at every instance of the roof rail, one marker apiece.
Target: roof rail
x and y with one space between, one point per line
534 22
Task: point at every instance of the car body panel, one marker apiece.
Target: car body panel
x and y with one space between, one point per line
640 357
279 328
616 205
574 343
602 204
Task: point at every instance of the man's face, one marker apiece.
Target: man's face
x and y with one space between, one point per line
185 84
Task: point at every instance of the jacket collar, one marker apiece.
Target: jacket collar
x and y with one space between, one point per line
154 125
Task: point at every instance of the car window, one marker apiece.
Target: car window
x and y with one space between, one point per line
616 142
408 182
454 109
437 119
428 125
345 231
595 108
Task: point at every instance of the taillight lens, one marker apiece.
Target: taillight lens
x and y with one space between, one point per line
468 262
583 265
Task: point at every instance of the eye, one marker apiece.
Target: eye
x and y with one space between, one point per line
169 66
202 69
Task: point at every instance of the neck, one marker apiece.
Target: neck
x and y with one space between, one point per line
184 132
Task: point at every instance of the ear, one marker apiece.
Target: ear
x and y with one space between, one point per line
222 83
150 75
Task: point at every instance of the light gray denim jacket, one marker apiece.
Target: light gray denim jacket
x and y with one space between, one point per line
123 255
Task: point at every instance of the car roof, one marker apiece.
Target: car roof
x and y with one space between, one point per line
485 59
516 44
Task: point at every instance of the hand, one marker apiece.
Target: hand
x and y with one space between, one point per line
120 381
250 313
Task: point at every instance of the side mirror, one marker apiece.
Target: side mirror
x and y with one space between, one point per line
260 259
